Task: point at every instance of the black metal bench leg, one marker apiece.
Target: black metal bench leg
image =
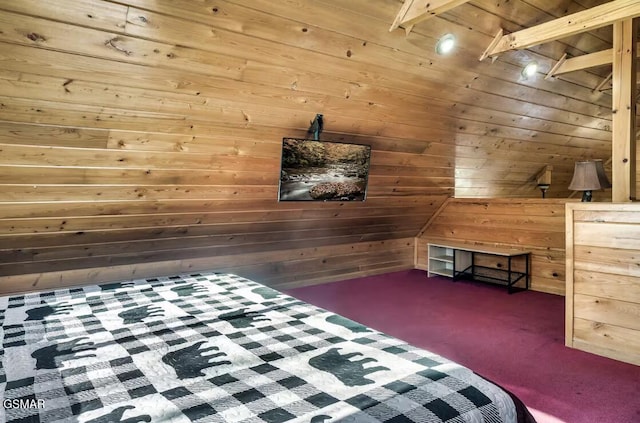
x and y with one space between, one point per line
509 283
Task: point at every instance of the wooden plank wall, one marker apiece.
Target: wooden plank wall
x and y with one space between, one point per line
148 131
280 268
603 280
146 137
533 224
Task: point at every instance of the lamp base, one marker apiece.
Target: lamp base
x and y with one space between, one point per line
586 196
543 189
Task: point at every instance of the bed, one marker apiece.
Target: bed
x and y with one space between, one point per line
213 347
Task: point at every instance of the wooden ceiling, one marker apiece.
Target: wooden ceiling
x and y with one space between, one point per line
618 14
130 128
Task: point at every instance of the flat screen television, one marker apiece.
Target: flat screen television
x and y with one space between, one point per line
314 170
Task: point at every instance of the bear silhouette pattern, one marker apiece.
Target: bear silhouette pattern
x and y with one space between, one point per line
266 293
137 314
351 373
240 318
46 356
190 361
42 312
188 289
347 323
116 416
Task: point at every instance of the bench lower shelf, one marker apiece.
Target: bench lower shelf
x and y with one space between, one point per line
509 279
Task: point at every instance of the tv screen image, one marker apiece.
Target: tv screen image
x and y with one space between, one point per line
314 170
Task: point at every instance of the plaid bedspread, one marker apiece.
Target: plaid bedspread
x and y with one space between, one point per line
219 348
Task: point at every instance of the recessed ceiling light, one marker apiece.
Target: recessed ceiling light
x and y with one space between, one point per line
446 44
530 69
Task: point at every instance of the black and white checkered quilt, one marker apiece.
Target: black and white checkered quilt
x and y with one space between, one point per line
219 348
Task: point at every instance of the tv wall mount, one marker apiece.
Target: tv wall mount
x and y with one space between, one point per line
316 127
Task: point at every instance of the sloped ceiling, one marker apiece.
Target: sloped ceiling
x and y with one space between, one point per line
566 119
141 129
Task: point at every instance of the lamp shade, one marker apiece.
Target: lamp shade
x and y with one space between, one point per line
602 176
589 176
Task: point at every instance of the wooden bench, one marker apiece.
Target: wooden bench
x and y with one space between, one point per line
458 261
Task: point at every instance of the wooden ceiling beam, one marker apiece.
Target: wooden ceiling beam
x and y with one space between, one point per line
414 11
586 20
592 60
554 70
604 82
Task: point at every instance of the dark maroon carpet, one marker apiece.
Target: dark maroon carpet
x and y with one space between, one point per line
514 340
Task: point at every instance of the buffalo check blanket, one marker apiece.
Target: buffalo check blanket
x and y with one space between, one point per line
219 348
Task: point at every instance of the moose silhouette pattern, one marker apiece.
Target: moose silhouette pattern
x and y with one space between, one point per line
320 419
138 314
187 290
240 318
42 312
351 373
116 285
46 356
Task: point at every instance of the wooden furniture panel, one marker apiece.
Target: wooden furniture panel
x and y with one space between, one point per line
606 285
603 280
